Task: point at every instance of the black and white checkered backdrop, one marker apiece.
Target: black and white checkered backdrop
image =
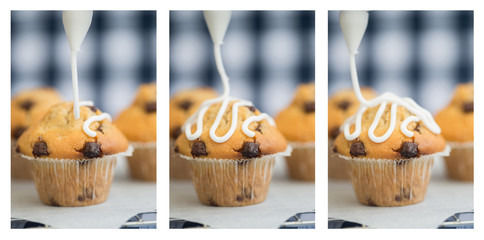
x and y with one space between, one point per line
419 54
266 54
118 53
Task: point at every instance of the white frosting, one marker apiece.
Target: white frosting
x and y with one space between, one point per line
97 118
76 25
353 25
217 22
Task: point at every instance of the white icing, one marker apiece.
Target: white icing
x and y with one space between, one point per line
76 25
353 25
97 118
217 22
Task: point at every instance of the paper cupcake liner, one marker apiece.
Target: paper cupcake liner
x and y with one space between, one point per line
337 168
301 162
20 168
179 167
389 183
72 183
230 183
142 164
460 162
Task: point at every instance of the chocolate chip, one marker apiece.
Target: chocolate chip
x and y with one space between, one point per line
150 107
343 105
80 198
100 128
335 149
199 149
176 149
18 131
251 108
17 149
40 149
258 129
409 150
309 107
398 198
93 108
468 107
175 132
417 128
333 133
239 198
26 105
357 149
250 150
92 150
185 104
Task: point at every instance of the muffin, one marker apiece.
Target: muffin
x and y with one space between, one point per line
71 168
182 105
341 105
235 171
27 107
138 124
457 123
296 123
396 171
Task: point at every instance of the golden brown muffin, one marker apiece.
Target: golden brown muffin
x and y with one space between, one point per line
184 104
395 172
341 105
238 171
69 167
457 119
296 123
267 140
457 124
138 121
27 107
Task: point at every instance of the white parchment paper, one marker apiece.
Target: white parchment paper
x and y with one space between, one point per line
444 198
127 198
285 198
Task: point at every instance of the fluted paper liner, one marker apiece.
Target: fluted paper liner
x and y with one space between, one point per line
179 167
301 163
230 183
389 183
337 168
20 168
72 183
460 162
142 164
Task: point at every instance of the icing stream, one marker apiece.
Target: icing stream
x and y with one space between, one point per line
97 118
217 22
353 25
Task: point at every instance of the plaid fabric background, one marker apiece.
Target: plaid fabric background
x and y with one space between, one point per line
266 54
419 54
118 53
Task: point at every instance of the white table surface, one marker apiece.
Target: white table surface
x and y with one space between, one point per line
444 198
127 198
285 198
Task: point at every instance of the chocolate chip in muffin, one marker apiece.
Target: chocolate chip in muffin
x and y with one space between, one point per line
333 133
100 128
409 150
417 128
343 105
93 108
150 107
309 107
357 149
468 107
27 104
258 129
185 104
250 150
175 132
251 108
92 150
40 149
18 131
199 149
